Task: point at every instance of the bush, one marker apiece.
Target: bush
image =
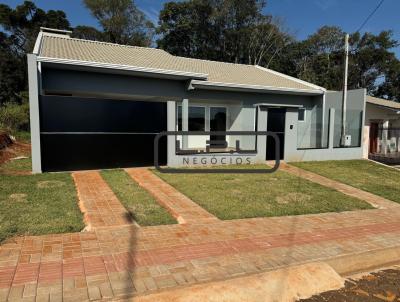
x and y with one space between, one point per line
14 117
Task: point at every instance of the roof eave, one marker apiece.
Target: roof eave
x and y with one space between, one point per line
195 84
397 110
162 73
313 86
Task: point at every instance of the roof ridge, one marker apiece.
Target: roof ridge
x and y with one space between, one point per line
102 42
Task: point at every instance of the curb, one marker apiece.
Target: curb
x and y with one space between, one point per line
365 261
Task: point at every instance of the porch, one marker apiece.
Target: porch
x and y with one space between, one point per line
384 143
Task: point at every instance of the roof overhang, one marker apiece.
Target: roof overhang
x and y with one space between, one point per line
271 105
195 84
396 110
143 71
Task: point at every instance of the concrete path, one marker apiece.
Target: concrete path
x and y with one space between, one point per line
181 207
372 199
124 260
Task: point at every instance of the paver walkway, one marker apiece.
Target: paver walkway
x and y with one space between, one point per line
181 207
98 203
124 261
375 200
121 261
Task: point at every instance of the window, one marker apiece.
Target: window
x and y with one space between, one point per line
179 118
197 118
302 114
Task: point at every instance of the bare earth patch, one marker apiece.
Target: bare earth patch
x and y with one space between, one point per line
18 197
50 184
292 198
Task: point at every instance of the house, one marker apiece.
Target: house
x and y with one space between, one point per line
382 130
101 105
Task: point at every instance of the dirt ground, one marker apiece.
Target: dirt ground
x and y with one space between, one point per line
378 286
14 150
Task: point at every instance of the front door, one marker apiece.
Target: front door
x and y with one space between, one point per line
276 123
217 123
373 137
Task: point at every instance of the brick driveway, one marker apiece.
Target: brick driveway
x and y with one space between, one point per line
122 259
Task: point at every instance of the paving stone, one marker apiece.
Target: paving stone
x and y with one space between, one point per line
105 290
30 290
165 281
94 293
103 263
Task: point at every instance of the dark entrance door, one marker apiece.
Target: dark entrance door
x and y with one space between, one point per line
276 123
373 137
92 133
217 123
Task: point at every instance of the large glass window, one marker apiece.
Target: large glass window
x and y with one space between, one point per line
197 118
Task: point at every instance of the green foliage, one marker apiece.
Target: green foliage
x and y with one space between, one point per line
362 174
222 30
88 33
21 27
144 209
38 204
14 117
122 22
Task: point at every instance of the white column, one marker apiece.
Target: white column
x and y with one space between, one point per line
385 136
33 81
331 127
171 124
185 122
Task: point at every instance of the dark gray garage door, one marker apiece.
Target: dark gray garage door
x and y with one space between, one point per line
92 133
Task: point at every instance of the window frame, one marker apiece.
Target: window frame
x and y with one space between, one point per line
304 115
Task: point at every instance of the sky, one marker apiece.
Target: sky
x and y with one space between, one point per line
301 17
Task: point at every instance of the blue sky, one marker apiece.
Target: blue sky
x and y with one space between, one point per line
302 17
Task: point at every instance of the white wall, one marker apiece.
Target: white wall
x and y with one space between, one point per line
375 113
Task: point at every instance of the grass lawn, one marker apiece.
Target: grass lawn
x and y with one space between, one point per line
233 196
362 174
37 204
16 166
141 205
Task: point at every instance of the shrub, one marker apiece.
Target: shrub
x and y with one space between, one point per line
14 117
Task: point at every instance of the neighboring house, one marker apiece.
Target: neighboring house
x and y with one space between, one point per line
382 130
100 105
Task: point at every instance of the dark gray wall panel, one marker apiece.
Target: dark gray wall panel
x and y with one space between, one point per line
87 133
71 114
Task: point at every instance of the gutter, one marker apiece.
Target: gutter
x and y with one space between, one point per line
143 70
194 84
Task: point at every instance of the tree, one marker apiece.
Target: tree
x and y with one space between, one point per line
266 41
319 59
122 22
371 59
223 30
187 29
20 29
88 33
23 23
